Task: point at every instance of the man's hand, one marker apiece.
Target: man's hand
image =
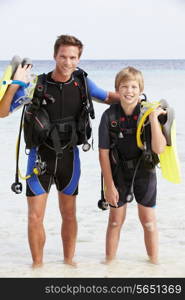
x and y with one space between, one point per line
23 73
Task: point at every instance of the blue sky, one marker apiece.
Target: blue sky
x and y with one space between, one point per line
109 29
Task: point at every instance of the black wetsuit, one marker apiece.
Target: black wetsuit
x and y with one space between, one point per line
63 170
124 159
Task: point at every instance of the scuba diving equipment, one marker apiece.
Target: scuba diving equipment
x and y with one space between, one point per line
130 195
84 128
39 169
36 119
9 74
86 147
146 109
17 186
122 128
73 131
102 203
40 166
169 161
167 125
38 126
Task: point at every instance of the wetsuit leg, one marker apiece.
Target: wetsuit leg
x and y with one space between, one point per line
68 172
145 187
122 181
37 185
64 170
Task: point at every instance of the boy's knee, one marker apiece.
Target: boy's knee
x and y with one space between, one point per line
115 224
150 226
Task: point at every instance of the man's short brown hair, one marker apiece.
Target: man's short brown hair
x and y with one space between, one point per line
67 40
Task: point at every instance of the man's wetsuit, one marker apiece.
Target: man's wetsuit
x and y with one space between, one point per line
124 159
64 171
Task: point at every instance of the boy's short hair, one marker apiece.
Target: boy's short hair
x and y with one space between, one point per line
127 74
67 40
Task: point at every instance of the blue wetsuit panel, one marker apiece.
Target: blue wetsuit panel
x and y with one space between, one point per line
95 91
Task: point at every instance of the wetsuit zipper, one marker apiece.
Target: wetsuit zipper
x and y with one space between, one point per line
61 106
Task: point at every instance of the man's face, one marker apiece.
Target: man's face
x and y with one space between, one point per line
67 59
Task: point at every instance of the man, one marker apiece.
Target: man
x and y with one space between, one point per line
64 86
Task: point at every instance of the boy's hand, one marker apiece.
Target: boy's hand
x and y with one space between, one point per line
155 113
112 196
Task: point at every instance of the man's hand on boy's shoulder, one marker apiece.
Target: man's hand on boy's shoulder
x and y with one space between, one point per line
112 97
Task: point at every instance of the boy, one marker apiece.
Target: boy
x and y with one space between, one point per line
121 160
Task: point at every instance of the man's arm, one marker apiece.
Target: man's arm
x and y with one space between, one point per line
20 74
113 97
7 100
100 95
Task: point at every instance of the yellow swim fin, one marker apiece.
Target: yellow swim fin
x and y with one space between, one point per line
169 161
6 76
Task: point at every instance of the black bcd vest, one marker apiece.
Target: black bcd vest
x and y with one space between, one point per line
66 132
118 131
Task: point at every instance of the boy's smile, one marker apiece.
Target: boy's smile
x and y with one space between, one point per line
129 92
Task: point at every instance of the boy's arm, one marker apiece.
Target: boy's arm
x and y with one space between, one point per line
110 191
158 141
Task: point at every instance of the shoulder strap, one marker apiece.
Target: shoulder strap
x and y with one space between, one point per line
40 95
114 112
114 126
82 76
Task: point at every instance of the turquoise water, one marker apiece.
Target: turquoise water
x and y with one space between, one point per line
163 79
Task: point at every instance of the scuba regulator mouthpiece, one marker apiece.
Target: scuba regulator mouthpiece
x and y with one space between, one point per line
86 147
130 197
102 204
40 167
16 187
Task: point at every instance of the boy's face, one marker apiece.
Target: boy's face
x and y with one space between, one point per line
129 92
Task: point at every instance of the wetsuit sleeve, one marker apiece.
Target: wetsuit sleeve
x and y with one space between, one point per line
96 92
104 137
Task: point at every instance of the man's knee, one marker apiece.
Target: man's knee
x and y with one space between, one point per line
69 215
35 219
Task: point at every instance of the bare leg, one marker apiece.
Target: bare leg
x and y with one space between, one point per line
148 221
36 233
67 204
116 220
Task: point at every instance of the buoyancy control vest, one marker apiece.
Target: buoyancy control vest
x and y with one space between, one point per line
123 147
44 125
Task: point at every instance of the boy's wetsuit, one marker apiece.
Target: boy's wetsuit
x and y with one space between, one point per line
124 157
64 170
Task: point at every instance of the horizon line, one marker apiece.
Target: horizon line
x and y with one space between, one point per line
108 59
